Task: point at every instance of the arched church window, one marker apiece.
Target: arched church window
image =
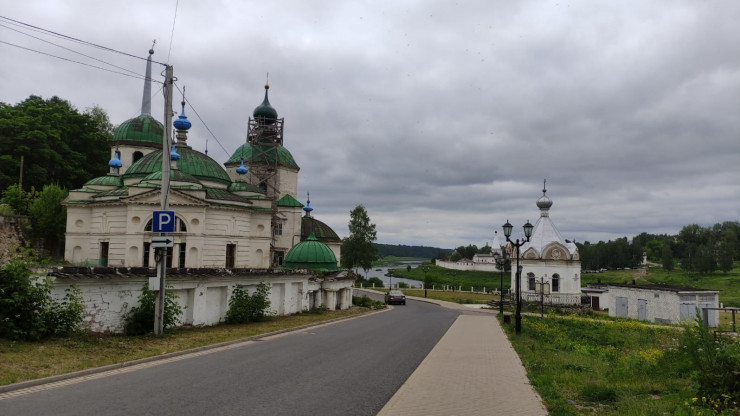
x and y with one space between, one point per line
137 155
530 281
556 282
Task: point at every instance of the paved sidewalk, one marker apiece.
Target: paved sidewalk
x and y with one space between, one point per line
473 370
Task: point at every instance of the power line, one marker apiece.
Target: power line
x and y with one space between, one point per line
76 39
172 33
68 49
76 62
204 123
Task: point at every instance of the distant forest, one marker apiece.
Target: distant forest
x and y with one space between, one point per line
410 251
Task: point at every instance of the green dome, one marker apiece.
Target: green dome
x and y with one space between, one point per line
311 226
141 130
175 175
108 180
191 162
265 112
311 254
283 156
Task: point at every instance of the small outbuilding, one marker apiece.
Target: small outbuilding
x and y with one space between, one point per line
660 303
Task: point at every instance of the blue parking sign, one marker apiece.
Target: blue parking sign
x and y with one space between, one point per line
163 222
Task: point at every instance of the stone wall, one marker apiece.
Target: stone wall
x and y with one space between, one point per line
108 294
11 233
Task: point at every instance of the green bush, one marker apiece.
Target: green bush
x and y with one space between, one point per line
716 362
374 281
140 319
366 302
27 307
245 308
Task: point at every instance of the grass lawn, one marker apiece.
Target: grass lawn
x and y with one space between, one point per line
727 283
586 366
21 361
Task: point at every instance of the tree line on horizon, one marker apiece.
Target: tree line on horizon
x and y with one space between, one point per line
696 248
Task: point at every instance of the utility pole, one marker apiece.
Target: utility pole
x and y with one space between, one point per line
165 190
20 175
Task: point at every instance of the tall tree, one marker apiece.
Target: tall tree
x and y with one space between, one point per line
358 249
667 257
49 217
18 199
58 144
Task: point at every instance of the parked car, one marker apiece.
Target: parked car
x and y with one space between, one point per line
395 296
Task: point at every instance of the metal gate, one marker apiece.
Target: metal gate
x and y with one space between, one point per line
621 307
641 309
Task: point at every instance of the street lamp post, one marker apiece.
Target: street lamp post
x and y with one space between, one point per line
426 282
501 262
527 233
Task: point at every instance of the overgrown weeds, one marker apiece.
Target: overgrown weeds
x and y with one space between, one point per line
588 366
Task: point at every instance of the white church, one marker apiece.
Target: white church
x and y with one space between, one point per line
551 265
235 224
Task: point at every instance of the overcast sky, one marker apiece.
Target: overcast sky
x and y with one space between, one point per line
441 117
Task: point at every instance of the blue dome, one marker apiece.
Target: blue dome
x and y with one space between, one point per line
241 169
174 156
182 122
115 162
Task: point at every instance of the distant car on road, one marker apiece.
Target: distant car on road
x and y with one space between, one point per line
395 296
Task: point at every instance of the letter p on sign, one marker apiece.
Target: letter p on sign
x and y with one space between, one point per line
163 222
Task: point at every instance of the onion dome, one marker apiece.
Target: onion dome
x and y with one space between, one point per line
115 162
308 207
191 161
265 112
241 169
544 203
174 156
182 122
270 155
311 254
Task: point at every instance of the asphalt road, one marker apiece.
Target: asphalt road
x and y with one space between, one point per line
351 367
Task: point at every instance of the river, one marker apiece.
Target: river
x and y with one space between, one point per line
380 272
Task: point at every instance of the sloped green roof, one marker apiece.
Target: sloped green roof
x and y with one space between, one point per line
245 187
283 156
288 201
191 162
324 233
141 130
122 191
224 195
311 254
108 180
